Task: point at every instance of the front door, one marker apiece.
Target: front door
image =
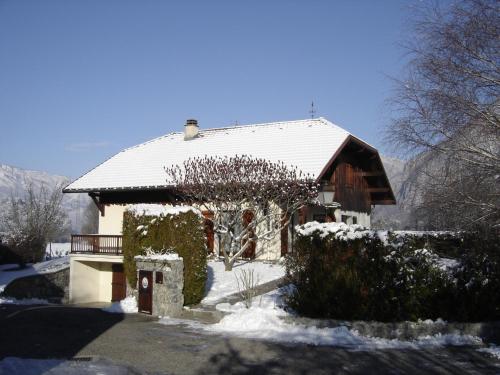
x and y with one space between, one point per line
246 220
209 230
146 292
118 285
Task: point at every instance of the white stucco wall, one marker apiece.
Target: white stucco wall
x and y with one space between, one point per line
362 217
112 221
91 277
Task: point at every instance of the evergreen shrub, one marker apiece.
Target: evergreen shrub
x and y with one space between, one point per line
182 232
350 273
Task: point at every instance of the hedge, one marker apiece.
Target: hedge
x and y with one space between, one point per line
183 232
348 272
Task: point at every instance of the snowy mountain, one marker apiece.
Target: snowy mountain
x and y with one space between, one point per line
13 180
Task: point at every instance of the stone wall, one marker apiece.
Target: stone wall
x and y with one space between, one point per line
50 286
167 296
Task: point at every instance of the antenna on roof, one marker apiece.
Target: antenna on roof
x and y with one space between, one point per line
312 111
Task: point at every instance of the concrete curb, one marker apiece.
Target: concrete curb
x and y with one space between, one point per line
487 331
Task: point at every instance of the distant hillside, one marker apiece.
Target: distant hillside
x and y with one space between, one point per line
13 180
398 216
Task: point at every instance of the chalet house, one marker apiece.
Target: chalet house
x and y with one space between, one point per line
349 170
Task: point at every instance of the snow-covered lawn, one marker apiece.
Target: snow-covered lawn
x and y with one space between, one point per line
222 283
38 268
57 249
263 321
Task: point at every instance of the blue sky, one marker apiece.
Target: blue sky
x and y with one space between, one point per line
81 80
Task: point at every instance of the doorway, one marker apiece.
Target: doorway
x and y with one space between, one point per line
118 284
146 292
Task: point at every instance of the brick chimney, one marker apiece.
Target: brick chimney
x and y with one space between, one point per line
190 129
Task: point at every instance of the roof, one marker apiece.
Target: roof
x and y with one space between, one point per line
306 144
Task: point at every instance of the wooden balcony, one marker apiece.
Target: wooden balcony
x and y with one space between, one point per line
96 244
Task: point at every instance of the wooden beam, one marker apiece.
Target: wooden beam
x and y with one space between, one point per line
384 201
372 173
379 190
99 205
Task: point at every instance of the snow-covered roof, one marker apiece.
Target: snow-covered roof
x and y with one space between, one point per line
306 144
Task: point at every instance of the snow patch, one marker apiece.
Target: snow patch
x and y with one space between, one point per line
125 306
29 366
25 301
492 350
263 321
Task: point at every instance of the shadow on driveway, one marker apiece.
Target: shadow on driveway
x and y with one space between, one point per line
51 331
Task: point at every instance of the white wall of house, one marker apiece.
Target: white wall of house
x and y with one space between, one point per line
112 221
90 277
362 218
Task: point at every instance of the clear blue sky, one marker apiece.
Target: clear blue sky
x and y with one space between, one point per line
81 80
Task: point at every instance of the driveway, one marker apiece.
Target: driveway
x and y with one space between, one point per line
141 345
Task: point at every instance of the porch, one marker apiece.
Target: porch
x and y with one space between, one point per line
96 244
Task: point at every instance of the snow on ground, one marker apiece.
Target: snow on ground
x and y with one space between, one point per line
57 249
24 366
263 321
492 350
48 266
222 283
125 306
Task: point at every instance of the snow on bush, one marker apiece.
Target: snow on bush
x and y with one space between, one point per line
125 306
349 272
159 209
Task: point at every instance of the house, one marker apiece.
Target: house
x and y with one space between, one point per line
349 170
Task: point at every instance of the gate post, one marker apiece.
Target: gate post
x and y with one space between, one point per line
163 276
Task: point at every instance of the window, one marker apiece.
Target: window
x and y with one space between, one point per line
345 218
159 277
349 176
354 220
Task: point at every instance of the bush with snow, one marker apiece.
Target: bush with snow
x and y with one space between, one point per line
155 228
350 272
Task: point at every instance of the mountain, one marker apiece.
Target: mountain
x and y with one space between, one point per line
397 216
13 180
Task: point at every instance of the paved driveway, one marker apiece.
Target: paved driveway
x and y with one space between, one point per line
143 346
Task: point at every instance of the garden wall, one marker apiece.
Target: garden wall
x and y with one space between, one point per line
50 286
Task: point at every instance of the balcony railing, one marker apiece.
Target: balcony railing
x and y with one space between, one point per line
96 244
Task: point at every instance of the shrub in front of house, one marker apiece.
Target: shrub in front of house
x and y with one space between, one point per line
183 232
348 272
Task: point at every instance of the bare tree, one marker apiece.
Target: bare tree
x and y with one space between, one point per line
90 219
251 199
32 220
448 111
